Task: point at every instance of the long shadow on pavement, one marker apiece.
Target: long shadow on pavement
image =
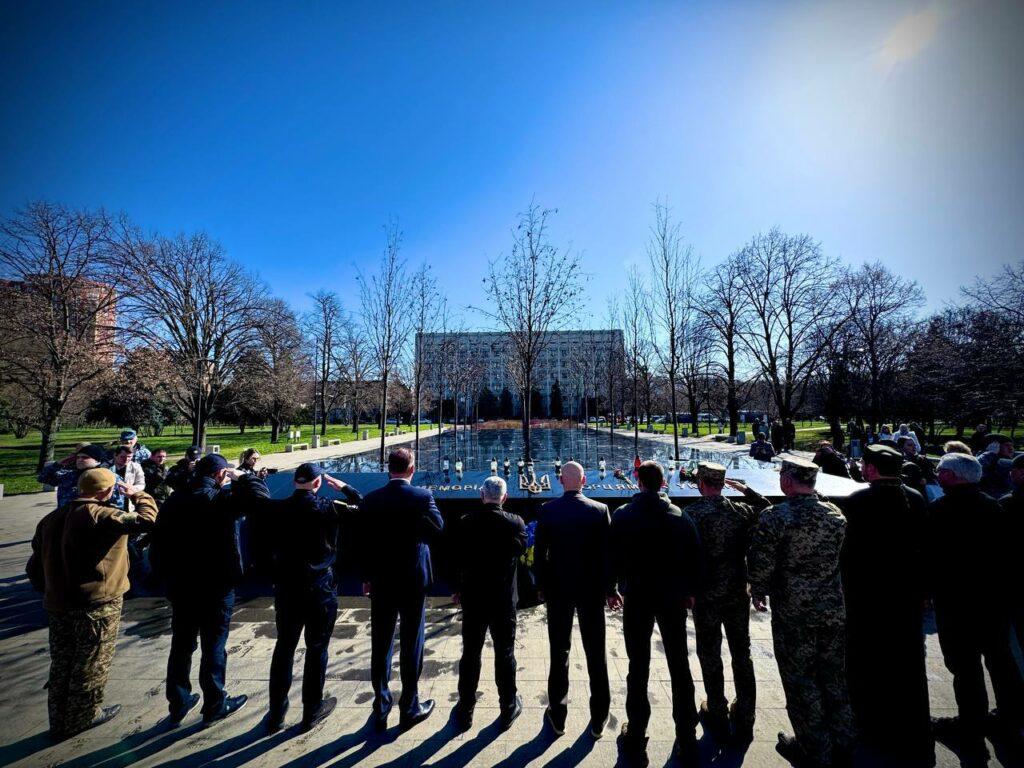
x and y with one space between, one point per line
367 738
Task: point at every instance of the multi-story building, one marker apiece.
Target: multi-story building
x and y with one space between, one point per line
572 358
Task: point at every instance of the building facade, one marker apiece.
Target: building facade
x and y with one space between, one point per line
575 359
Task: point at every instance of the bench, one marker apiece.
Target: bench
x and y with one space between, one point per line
212 449
334 441
292 447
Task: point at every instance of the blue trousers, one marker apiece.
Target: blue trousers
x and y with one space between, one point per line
208 618
385 612
315 612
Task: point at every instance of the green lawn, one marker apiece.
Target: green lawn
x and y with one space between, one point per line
18 457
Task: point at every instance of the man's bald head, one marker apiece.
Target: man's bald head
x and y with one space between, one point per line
573 477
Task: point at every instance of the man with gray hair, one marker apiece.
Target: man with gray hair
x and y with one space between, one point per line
487 546
970 581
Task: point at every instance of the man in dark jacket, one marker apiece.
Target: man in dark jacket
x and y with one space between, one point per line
304 538
487 544
761 449
1013 504
883 571
196 550
574 576
656 556
830 461
180 475
156 470
970 550
398 522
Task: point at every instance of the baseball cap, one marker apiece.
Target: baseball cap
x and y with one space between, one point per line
308 472
211 464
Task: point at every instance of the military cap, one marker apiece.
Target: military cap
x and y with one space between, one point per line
211 464
128 434
92 450
801 470
96 480
193 453
308 472
886 460
711 472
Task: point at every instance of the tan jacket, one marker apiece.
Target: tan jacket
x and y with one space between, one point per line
80 553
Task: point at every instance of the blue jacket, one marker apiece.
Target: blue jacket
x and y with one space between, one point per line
195 543
65 480
397 525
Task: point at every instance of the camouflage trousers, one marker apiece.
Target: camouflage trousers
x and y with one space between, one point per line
708 621
81 649
811 661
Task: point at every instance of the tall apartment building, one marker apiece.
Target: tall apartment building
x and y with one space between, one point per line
567 354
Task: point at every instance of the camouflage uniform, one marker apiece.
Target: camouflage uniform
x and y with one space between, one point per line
81 649
725 527
794 559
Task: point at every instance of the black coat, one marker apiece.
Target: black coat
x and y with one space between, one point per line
195 545
487 543
883 558
655 551
970 548
397 525
571 552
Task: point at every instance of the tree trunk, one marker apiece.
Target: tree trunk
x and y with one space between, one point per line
675 416
526 425
732 402
416 416
241 429
48 438
275 430
636 420
383 414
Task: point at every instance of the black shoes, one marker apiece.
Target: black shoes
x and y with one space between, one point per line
597 727
231 705
684 751
462 716
510 713
633 748
791 750
742 727
380 720
275 717
557 725
418 716
177 716
327 705
716 725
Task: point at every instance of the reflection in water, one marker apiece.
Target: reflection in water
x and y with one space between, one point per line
478 447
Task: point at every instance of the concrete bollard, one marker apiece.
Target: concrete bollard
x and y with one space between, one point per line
741 438
316 441
366 434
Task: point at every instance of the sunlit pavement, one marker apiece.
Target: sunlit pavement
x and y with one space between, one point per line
139 734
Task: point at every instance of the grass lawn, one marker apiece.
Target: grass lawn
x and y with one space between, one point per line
18 457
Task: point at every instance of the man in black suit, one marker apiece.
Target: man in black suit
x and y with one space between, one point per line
488 543
398 522
657 562
571 559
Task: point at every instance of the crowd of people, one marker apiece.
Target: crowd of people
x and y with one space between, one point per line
847 589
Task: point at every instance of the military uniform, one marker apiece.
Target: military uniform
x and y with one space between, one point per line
725 528
794 560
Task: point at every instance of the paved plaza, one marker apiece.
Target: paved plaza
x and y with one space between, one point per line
139 736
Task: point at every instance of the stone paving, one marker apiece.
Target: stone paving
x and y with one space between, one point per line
139 735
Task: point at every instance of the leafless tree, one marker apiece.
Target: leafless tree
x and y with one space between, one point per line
1004 294
354 368
723 309
882 307
637 337
674 270
198 307
426 308
793 291
385 318
286 364
533 291
60 283
326 327
695 365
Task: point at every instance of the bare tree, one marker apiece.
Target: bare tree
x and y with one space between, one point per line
354 366
882 306
533 291
1004 294
674 270
796 307
286 364
637 335
60 283
723 309
201 310
385 318
426 307
695 365
326 327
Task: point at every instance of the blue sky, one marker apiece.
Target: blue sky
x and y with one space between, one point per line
291 133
